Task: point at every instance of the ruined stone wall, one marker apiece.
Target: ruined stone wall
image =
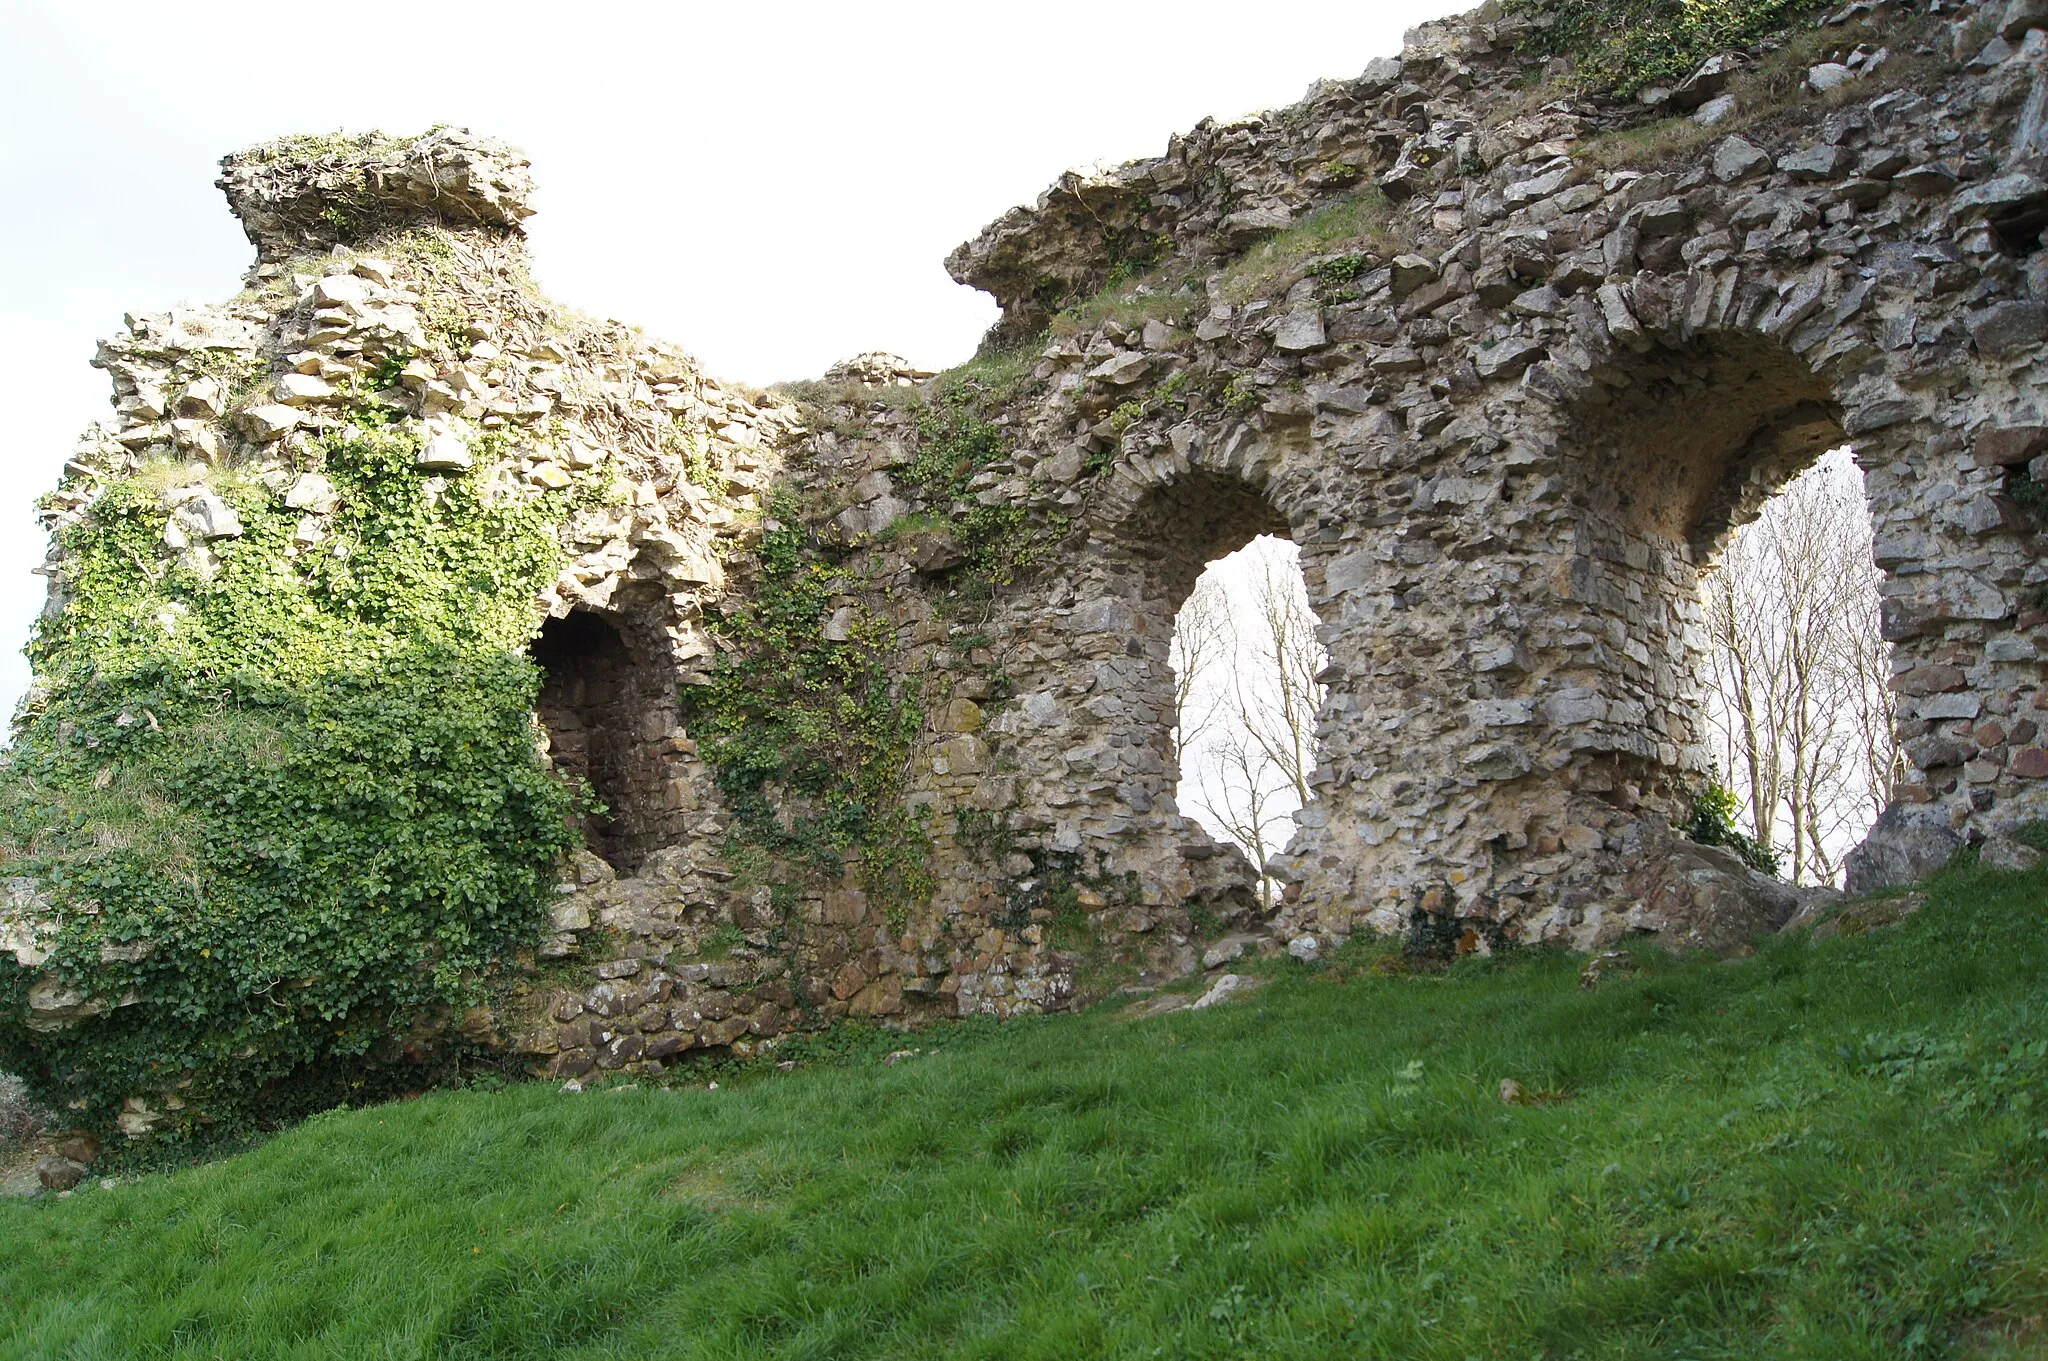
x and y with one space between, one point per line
1514 422
1507 368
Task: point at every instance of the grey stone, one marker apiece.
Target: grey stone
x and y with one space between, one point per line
1507 358
2003 853
1704 84
2020 16
1694 897
303 390
1412 272
1821 162
2008 327
313 493
446 452
1222 990
203 515
1828 75
1900 849
1716 111
2005 195
1298 331
1929 179
1737 158
59 1174
839 627
1121 370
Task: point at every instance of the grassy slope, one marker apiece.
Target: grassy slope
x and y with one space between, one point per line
1823 1151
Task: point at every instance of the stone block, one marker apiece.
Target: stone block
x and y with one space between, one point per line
2008 327
2004 446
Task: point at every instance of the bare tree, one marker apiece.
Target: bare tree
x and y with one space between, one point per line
1246 659
1203 636
1240 790
1797 683
1278 695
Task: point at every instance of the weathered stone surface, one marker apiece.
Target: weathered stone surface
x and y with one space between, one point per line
2002 446
1901 848
1222 990
1828 75
1694 897
446 176
203 515
1704 84
2007 327
1817 163
1300 331
2003 853
1507 439
2021 16
1737 158
59 1173
446 452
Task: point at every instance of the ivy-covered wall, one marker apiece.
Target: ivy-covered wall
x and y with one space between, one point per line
279 823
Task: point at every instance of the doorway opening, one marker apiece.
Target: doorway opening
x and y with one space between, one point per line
1799 710
1724 542
604 709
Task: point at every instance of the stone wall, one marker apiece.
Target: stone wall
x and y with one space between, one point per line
1531 409
1506 367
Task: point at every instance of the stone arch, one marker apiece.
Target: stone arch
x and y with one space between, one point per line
1184 525
1670 449
1168 513
1685 443
608 705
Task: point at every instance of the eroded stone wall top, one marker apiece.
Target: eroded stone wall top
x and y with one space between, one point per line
299 193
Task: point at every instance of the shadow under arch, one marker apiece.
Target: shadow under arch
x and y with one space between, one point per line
1684 444
1186 524
606 703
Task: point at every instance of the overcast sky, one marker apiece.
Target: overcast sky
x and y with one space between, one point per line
771 185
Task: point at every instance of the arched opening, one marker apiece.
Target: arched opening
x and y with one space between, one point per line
607 712
1685 445
1727 565
1237 737
1800 714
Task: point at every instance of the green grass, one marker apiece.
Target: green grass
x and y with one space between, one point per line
1362 219
1822 1151
1130 300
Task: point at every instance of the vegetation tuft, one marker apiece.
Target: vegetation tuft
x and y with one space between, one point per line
1623 46
1713 823
1362 220
810 737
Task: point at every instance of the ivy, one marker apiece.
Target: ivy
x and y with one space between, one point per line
289 813
1713 824
811 737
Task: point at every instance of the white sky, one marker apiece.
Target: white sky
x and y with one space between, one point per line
771 185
